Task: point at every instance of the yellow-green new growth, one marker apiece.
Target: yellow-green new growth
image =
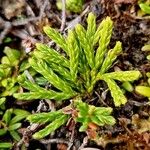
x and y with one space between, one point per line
87 60
74 74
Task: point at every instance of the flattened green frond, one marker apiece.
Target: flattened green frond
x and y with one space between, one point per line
102 120
123 75
51 127
104 41
103 110
47 94
50 55
87 47
91 28
74 51
56 37
111 57
44 117
47 72
84 69
117 94
98 33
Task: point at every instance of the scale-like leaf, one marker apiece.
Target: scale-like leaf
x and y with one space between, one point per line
84 125
38 92
102 111
90 114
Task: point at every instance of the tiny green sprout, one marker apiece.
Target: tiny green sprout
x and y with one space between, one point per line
128 86
143 90
71 5
146 47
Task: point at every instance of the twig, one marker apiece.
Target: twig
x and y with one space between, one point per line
63 15
137 17
30 11
28 75
24 21
71 139
43 8
23 35
85 141
41 106
75 21
54 141
7 26
101 99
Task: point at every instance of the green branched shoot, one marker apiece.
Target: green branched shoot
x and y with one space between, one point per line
55 120
86 114
87 60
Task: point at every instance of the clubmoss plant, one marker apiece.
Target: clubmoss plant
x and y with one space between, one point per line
73 74
86 62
